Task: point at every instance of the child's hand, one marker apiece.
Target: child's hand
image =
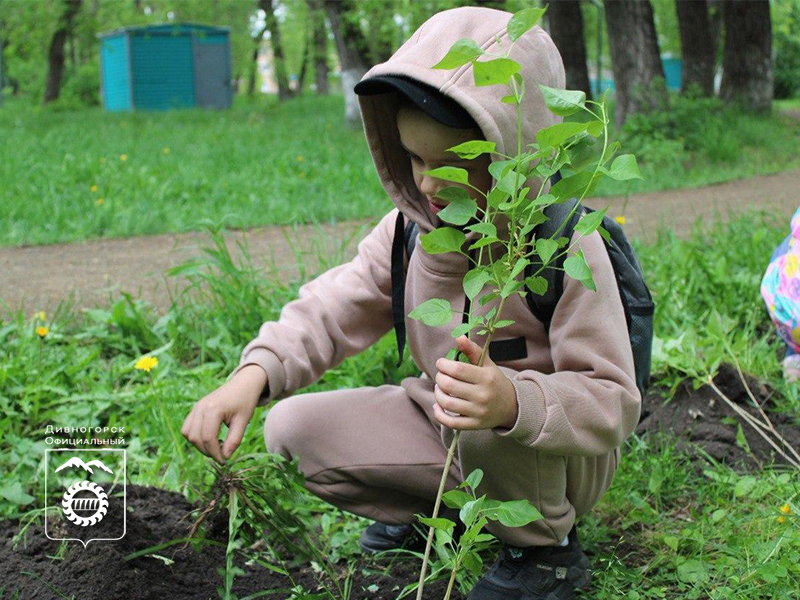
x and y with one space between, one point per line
482 396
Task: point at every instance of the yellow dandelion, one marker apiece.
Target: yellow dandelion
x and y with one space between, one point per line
301 158
620 219
166 151
786 509
41 315
781 519
99 201
146 363
93 188
123 157
42 331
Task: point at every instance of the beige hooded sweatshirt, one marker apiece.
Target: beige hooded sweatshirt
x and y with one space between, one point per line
575 387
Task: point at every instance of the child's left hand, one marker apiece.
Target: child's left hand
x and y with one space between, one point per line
482 396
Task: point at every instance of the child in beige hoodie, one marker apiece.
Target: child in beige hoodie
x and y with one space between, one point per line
546 414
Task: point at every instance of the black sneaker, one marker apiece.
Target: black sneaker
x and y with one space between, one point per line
535 573
382 536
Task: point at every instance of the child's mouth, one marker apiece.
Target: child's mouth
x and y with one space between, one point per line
434 207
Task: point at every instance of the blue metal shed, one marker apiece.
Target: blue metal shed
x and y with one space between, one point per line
159 67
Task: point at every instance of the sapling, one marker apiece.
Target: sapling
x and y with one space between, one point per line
567 146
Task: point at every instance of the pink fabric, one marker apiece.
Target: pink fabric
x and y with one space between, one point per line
780 287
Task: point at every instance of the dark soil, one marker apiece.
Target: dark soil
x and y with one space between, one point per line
701 417
99 572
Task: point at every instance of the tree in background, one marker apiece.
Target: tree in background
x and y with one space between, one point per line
697 46
638 74
747 60
786 37
316 11
565 21
55 55
278 63
352 48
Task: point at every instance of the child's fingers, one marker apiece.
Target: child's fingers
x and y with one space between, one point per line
235 434
210 430
454 422
461 371
457 405
455 387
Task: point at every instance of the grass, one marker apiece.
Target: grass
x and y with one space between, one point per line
665 529
269 163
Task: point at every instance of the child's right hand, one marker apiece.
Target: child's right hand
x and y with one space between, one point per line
232 403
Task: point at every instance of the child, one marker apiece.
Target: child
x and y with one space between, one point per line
780 289
544 419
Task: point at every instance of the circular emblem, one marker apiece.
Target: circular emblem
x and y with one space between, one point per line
87 509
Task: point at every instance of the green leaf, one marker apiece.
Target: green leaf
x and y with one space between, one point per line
510 287
576 267
485 299
473 149
692 571
538 284
463 51
519 267
510 99
522 21
459 211
563 102
483 228
545 248
451 354
744 486
474 479
452 192
511 182
503 323
515 513
462 329
484 242
434 312
454 174
499 168
456 498
494 72
438 523
571 186
474 281
472 561
496 197
13 492
443 239
624 168
590 221
556 134
595 128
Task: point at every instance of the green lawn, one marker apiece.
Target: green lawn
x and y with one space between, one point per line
265 163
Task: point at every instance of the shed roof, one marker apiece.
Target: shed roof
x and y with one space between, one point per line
166 29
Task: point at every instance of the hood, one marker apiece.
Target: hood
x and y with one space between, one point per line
540 62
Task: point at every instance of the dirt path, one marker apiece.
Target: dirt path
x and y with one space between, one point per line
89 273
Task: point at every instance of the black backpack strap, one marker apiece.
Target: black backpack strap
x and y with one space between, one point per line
399 286
544 306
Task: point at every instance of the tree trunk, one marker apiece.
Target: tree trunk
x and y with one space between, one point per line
301 79
55 56
351 46
317 14
278 61
697 46
251 82
638 73
747 60
566 28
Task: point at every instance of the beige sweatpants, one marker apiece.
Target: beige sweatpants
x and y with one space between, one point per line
379 452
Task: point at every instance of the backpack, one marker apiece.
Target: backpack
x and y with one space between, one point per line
636 298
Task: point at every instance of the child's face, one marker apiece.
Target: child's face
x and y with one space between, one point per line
426 141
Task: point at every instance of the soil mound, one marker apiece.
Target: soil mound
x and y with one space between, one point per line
701 417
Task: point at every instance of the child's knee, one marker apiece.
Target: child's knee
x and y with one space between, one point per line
282 428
